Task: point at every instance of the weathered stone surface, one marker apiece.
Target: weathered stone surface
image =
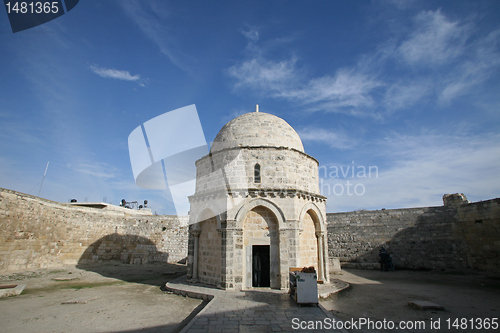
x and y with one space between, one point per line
39 233
11 290
457 235
263 190
257 129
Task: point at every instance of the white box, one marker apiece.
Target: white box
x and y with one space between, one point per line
304 287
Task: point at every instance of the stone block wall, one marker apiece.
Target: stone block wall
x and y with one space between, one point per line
209 257
280 168
479 226
457 235
39 233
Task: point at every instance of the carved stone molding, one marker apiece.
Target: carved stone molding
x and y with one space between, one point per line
195 233
257 192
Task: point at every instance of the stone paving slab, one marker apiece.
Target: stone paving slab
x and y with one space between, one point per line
426 305
257 310
11 290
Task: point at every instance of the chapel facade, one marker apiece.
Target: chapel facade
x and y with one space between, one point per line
257 208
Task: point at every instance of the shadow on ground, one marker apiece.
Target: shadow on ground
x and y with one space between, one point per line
119 257
383 296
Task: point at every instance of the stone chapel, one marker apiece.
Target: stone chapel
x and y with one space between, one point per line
257 208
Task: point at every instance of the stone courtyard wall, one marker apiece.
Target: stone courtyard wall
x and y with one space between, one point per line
38 233
457 235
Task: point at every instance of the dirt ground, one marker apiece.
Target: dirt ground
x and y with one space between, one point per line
127 298
98 298
385 295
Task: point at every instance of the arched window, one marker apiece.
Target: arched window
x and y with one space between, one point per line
256 173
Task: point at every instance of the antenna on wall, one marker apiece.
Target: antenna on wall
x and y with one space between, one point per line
43 178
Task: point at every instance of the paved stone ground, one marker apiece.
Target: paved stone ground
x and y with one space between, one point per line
259 310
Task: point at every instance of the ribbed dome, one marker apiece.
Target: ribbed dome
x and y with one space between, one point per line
257 129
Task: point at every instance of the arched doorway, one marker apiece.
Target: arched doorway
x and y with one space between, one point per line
308 244
261 249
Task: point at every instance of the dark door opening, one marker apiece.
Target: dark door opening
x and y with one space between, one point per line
261 276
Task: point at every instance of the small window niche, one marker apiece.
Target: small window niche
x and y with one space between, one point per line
256 173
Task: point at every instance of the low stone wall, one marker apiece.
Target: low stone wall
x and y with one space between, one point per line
38 233
457 235
479 226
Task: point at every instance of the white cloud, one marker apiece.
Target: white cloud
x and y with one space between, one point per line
348 88
252 34
347 91
333 138
405 93
472 72
150 17
100 170
375 86
421 169
264 75
114 73
436 40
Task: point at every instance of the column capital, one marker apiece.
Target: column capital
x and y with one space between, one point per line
233 229
195 233
320 233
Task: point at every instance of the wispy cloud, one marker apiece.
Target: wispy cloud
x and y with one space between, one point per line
472 72
348 89
333 138
252 33
419 169
404 93
436 40
453 63
150 17
265 75
100 170
114 73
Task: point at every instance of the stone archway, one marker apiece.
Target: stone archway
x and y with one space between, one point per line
261 230
308 244
313 247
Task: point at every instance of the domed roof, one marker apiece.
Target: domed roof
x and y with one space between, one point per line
257 129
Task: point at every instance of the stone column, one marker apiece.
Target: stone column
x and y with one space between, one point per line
294 246
326 258
236 259
232 254
223 264
196 234
321 261
282 272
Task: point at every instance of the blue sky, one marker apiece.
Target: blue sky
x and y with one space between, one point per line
409 88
